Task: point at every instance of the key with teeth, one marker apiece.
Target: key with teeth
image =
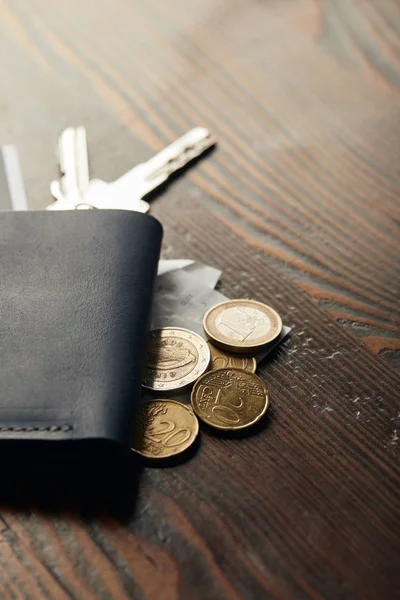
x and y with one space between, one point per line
127 192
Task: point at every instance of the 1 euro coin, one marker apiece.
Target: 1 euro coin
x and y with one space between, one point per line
242 326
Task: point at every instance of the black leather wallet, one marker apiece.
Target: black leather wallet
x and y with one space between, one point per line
75 300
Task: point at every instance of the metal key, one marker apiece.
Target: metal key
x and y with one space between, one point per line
12 188
70 191
127 192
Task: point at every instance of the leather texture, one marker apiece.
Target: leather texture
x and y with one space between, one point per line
75 301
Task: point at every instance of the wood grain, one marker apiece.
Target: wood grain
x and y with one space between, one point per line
299 206
307 113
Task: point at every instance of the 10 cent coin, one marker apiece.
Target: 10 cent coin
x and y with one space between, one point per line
241 326
175 357
230 398
164 428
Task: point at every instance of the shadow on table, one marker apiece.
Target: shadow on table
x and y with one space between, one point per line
238 434
87 478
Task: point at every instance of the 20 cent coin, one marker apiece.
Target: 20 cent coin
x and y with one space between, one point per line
164 428
222 360
241 326
175 357
230 398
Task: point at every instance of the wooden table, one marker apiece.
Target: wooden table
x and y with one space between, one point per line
300 207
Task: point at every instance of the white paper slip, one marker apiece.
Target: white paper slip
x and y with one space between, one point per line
205 273
166 266
179 293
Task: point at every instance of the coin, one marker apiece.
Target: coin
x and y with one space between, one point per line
175 357
164 428
230 398
222 360
241 326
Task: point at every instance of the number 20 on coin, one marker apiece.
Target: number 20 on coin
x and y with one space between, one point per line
164 428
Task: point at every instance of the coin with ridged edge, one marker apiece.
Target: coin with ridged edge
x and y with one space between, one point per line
241 326
164 428
175 357
230 398
222 360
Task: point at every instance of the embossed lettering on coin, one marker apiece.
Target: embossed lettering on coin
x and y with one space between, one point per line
175 357
230 398
242 325
164 428
222 360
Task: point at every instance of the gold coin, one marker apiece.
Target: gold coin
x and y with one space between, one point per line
223 360
241 326
164 428
175 357
230 398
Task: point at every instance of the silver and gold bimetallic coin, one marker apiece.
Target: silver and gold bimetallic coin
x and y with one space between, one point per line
242 326
175 357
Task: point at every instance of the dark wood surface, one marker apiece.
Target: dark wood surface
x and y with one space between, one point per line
299 206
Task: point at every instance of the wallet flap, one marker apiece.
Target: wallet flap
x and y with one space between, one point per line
75 300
